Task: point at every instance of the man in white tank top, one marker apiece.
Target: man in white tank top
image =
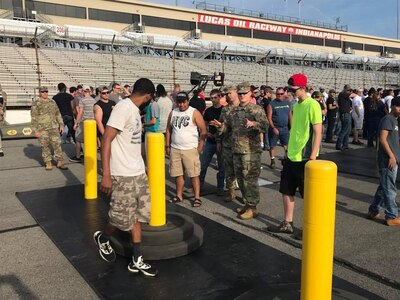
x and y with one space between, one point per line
184 146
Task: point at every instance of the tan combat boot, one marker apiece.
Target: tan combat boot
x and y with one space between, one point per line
251 212
230 196
48 166
61 166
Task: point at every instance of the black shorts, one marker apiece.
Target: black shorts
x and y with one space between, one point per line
292 177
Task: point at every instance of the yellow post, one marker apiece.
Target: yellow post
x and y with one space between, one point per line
318 230
90 158
156 173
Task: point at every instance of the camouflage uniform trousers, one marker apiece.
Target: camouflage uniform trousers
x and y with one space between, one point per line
47 137
227 160
130 201
247 170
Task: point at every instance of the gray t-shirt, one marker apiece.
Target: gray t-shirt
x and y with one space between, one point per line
87 104
389 123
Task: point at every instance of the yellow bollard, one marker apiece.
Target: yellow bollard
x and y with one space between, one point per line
90 158
318 230
156 173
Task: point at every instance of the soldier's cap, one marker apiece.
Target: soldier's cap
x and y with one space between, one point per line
181 97
395 101
227 88
43 89
243 88
316 94
86 88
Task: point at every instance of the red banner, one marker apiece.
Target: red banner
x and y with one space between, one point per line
215 20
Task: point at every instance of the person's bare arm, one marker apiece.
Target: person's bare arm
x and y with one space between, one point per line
199 121
383 135
168 133
98 116
317 134
109 134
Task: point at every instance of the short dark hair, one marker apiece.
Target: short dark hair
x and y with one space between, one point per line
215 91
143 86
79 86
114 85
62 87
160 91
72 89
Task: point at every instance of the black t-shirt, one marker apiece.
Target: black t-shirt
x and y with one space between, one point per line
198 103
344 103
210 114
265 103
63 101
370 112
331 112
106 107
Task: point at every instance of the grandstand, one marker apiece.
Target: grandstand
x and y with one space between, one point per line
88 50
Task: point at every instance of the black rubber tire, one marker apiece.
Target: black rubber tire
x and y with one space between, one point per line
178 237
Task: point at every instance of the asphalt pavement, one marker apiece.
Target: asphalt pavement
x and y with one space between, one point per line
32 267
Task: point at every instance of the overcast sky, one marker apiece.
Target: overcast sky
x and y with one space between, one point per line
369 17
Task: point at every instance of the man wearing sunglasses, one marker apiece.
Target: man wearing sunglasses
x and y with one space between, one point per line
47 125
102 110
304 141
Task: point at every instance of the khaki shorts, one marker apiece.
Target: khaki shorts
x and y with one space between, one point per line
79 133
130 201
188 159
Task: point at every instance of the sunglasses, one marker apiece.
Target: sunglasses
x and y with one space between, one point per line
292 90
44 91
105 93
280 94
243 93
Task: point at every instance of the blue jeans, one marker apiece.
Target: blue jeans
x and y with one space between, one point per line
343 138
208 152
386 194
373 126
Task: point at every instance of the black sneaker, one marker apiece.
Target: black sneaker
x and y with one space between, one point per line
75 159
105 250
284 227
1 154
140 265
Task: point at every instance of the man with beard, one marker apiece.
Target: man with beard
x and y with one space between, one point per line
184 146
124 177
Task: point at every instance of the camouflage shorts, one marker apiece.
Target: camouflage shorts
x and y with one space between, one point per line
130 201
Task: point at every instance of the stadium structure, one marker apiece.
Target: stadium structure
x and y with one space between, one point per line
96 42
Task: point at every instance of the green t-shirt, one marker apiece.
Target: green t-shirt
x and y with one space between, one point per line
305 114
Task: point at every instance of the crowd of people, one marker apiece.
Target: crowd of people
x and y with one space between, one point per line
242 121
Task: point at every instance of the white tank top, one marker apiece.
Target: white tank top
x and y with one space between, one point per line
184 132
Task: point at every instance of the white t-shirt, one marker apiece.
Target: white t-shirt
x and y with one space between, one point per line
357 102
388 102
165 104
126 157
185 135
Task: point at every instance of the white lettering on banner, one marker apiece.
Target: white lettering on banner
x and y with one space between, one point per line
267 27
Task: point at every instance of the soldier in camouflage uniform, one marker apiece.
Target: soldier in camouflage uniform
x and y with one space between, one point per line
3 103
245 123
224 141
47 124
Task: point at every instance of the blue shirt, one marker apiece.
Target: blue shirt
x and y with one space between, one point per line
280 113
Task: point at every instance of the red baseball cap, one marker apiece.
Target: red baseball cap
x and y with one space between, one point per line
298 80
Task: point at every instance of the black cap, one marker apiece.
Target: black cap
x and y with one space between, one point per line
182 96
395 101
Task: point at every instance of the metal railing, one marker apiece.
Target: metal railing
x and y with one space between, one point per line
267 16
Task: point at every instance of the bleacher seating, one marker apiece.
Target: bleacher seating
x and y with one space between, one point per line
72 66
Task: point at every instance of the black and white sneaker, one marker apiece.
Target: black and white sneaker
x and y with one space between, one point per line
140 265
75 159
105 250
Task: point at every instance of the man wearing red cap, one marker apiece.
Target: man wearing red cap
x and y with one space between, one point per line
304 141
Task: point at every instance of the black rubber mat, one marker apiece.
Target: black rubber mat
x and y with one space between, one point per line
229 265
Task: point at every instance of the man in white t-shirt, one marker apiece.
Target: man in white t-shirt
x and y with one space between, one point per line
388 99
124 176
358 115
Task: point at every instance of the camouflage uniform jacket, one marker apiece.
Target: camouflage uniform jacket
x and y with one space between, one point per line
3 107
246 140
223 135
45 115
